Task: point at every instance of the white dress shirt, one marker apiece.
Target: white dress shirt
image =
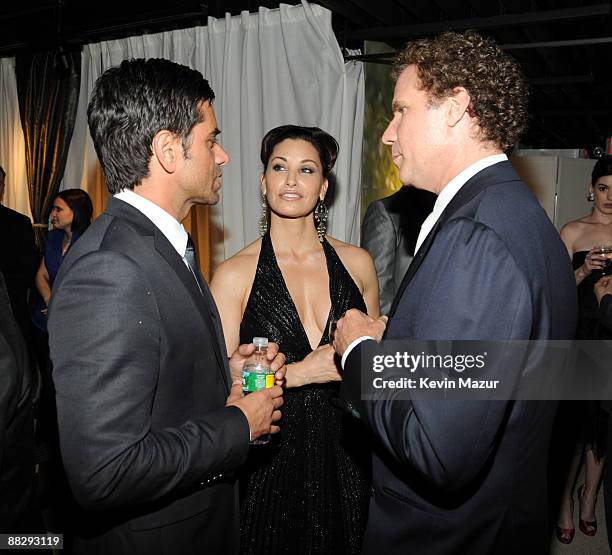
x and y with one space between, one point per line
444 198
162 220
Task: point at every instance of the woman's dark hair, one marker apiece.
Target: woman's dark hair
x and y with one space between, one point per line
82 209
601 168
326 145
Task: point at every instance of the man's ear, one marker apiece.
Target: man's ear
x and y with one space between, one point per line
458 106
167 149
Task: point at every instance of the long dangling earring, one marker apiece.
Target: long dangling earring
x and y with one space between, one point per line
320 216
590 196
263 221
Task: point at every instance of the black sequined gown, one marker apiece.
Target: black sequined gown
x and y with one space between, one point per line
595 425
307 491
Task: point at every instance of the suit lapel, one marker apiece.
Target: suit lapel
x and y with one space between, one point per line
503 171
203 301
414 266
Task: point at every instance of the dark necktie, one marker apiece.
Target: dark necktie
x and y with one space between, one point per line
215 321
190 257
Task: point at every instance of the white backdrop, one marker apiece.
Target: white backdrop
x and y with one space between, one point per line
270 68
12 146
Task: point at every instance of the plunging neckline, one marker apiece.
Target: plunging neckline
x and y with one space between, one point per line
291 301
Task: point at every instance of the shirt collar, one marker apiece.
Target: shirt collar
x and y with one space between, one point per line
453 186
166 223
451 189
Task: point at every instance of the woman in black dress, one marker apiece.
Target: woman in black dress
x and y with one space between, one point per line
308 490
584 239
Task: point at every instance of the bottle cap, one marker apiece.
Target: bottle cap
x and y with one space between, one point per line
260 341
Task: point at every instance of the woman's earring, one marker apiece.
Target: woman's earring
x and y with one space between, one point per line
263 221
320 216
590 196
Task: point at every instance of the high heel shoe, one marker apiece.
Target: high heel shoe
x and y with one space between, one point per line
566 535
587 527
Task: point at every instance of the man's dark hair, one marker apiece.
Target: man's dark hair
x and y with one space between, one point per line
492 78
131 103
326 145
2 172
82 209
602 167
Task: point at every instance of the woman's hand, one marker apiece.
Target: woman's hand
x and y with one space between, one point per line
274 356
317 367
593 262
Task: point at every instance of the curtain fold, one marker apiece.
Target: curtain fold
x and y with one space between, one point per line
48 92
12 149
267 68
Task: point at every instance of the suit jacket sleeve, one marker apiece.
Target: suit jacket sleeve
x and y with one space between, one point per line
475 291
8 385
379 237
106 375
28 260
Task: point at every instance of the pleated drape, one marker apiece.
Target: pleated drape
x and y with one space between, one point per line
267 68
48 92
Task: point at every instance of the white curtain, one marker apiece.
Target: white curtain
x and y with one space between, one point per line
270 68
12 146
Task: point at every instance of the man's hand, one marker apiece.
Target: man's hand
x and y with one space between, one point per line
355 324
276 358
603 287
260 408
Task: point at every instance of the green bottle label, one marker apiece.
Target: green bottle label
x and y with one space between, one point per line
254 381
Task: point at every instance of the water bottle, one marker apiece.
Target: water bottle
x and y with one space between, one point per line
257 375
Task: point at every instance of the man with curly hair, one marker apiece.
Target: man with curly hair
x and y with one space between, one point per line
463 476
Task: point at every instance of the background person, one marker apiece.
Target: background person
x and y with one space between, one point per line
582 239
70 217
603 293
389 233
17 477
18 260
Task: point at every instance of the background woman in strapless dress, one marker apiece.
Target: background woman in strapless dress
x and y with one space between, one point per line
583 238
308 490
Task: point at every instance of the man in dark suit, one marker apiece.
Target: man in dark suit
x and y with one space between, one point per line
463 476
389 233
18 260
603 293
151 427
16 425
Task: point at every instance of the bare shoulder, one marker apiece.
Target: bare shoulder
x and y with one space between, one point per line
240 268
357 260
571 231
573 227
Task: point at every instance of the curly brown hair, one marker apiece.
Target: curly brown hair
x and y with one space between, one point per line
493 79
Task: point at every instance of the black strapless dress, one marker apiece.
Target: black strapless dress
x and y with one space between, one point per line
595 429
307 491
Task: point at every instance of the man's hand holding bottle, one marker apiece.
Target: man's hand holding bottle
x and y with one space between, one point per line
265 396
